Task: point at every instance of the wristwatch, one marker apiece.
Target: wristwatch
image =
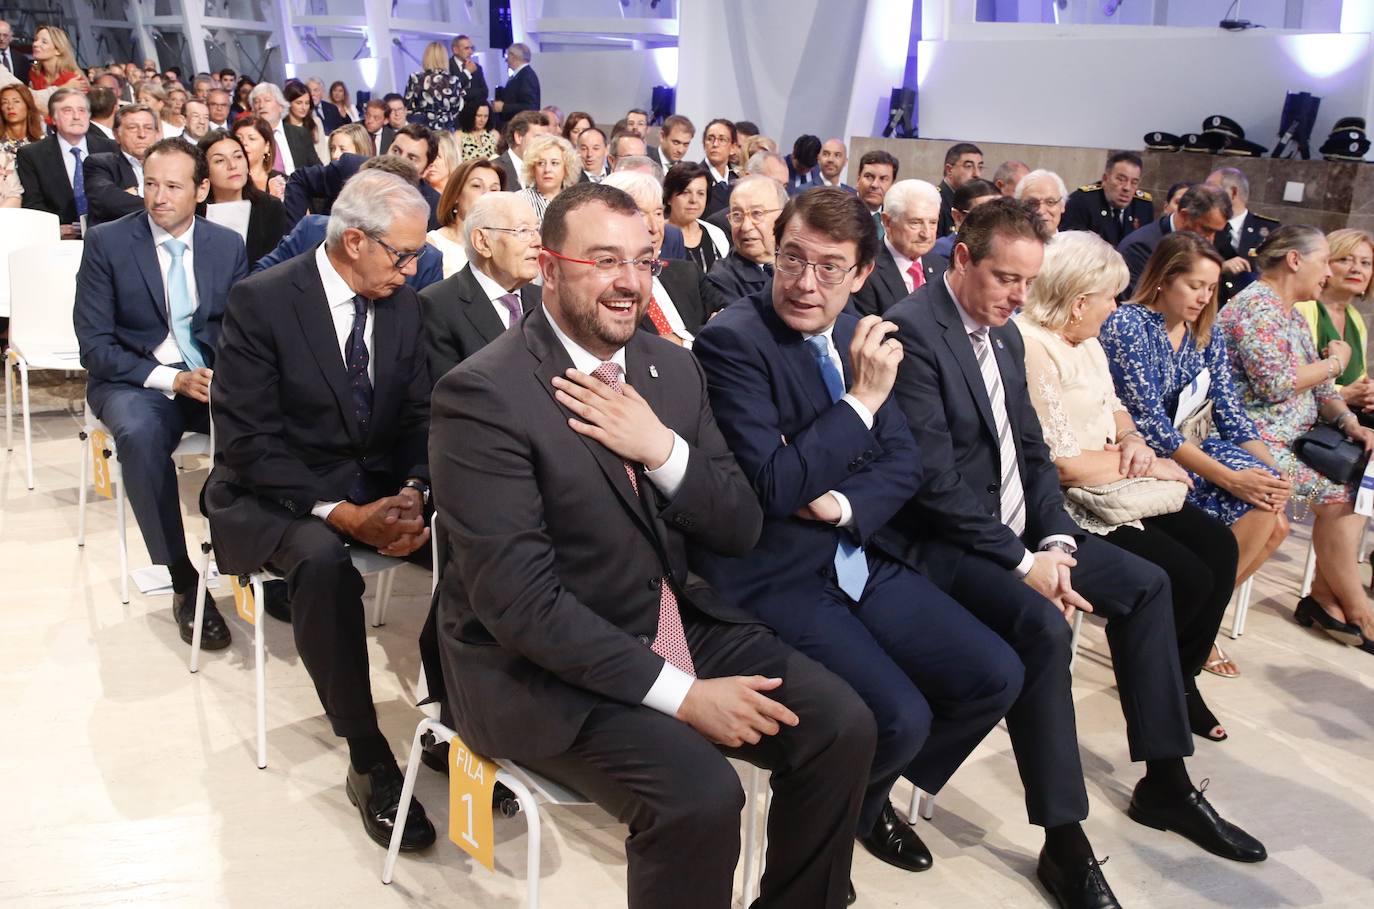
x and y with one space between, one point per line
1058 544
419 486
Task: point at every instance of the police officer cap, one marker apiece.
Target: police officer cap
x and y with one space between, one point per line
1206 143
1349 123
1217 123
1349 145
1244 148
1159 141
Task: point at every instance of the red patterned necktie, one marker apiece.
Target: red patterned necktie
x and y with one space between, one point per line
918 275
671 640
665 328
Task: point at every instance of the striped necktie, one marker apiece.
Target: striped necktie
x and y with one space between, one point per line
1013 495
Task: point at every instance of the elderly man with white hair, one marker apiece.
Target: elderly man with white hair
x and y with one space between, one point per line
682 298
905 263
755 202
1046 191
473 306
295 148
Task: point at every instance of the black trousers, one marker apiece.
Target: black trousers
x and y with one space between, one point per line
1133 596
1199 554
681 799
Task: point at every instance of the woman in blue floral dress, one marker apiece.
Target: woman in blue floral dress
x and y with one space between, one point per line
1157 347
1286 387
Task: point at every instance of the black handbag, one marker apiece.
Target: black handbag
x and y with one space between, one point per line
1326 450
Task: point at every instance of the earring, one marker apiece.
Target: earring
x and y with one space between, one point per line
1075 320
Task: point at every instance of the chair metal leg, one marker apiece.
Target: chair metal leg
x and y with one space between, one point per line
751 835
260 671
530 809
1073 642
28 421
915 805
122 526
382 598
1242 612
9 404
927 805
1309 572
85 437
200 605
407 793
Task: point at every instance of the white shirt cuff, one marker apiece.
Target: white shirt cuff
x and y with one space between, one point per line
669 475
859 409
323 509
1024 568
1060 538
669 690
846 511
162 378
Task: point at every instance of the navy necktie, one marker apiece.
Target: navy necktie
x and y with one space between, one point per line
79 184
356 358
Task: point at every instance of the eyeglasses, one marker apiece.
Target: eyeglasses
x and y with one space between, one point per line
608 264
737 216
523 234
402 258
1045 203
795 267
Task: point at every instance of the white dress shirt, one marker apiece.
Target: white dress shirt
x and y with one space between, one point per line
137 165
1028 560
717 176
1237 225
168 352
670 312
846 512
287 162
339 296
494 293
67 160
519 167
670 688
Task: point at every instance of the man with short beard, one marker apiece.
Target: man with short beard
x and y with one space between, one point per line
575 459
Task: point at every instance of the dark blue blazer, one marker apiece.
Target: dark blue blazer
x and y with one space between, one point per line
1137 248
120 314
673 245
520 93
309 233
794 444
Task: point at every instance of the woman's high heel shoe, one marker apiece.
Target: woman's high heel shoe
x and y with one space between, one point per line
1310 612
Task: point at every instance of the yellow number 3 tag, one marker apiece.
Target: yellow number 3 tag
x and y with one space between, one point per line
471 781
100 462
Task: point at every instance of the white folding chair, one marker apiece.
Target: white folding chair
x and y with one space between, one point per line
41 287
1241 601
21 227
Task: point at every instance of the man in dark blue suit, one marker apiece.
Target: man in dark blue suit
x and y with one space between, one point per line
149 298
988 526
830 466
521 91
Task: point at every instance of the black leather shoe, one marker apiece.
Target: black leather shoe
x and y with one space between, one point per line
1310 612
1079 886
853 897
434 755
1193 817
214 634
893 841
274 601
377 794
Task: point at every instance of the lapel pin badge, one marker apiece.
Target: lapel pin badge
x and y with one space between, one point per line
998 342
653 370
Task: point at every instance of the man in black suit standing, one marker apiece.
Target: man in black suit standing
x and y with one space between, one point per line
321 415
905 264
988 526
149 299
465 68
468 310
1203 209
18 64
521 91
571 495
51 169
114 180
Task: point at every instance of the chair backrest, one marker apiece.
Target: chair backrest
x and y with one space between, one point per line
20 227
42 284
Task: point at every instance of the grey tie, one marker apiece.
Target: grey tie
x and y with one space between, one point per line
1013 494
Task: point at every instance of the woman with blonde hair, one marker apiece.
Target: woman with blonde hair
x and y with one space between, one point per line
434 93
1095 444
1333 317
350 139
444 163
1287 388
469 181
548 165
54 65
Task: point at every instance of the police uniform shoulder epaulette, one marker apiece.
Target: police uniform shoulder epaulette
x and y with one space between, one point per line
1090 187
1141 194
1260 217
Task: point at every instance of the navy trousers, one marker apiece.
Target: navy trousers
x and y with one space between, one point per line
147 426
936 679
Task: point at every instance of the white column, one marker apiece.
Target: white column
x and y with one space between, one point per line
193 19
146 45
377 18
881 63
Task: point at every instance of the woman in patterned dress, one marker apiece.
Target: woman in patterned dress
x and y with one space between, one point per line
434 93
1094 441
475 140
1286 387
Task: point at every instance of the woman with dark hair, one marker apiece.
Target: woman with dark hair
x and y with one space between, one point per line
21 122
256 135
241 104
229 182
577 121
337 110
298 104
475 137
468 182
685 188
1287 387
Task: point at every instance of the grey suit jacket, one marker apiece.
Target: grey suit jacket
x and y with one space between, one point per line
460 320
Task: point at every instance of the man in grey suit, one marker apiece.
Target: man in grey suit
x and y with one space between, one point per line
574 637
471 308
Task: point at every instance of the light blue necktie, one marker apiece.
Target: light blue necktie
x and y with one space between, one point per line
179 306
851 565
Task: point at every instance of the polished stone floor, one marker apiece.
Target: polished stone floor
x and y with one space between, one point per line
131 783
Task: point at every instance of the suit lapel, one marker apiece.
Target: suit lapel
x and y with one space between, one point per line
957 339
554 362
891 275
312 312
477 309
801 362
204 267
145 256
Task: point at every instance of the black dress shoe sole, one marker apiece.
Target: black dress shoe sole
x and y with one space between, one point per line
1158 822
382 839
